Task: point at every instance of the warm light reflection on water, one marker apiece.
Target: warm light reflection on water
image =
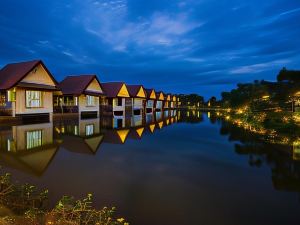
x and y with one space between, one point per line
171 167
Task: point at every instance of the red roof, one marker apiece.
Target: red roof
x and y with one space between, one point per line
76 85
134 90
12 74
111 89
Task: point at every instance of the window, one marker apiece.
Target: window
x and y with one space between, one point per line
118 102
89 130
90 100
33 99
33 139
11 95
76 100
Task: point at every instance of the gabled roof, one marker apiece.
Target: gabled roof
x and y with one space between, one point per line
12 74
77 85
149 92
158 95
168 97
112 89
135 89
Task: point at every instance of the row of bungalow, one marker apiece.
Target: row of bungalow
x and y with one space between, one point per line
28 89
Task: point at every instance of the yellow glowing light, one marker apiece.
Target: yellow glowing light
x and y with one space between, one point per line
296 150
152 127
167 121
123 134
57 130
123 92
160 124
208 114
265 97
140 131
297 93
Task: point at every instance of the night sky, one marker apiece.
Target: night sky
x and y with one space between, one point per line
189 46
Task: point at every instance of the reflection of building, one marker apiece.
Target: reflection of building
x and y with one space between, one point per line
115 122
166 113
79 94
150 118
136 133
29 148
116 136
296 150
83 136
137 120
173 103
26 90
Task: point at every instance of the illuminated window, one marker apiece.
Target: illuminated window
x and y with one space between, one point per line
90 100
76 130
89 130
33 139
33 99
11 95
76 100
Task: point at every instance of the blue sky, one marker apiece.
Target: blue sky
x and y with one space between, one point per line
187 46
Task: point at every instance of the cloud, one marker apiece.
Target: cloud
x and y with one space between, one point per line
110 22
257 68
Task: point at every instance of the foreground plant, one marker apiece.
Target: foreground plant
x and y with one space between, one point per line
23 204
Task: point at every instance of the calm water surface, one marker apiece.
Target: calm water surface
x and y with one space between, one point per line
183 168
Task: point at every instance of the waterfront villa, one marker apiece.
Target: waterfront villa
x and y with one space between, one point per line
150 102
138 97
79 94
117 100
159 101
26 90
173 102
167 101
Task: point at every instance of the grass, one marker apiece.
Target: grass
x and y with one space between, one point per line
25 205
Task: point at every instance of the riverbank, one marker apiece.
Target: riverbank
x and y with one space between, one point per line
275 127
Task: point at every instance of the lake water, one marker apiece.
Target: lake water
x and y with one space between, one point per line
177 168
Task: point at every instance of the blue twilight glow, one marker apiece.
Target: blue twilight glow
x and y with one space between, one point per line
201 46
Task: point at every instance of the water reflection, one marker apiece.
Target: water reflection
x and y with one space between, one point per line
29 148
81 136
129 157
283 160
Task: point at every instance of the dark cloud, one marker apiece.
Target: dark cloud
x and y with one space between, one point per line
202 46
